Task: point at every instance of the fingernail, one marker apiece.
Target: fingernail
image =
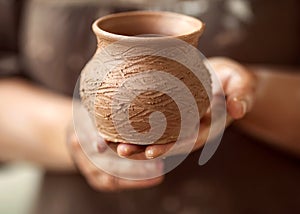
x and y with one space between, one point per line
101 146
122 150
243 107
150 154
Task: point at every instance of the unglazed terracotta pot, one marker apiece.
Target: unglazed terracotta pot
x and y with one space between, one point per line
108 76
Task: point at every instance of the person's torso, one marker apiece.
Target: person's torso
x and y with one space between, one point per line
53 39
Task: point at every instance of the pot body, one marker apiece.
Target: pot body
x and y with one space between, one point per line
135 74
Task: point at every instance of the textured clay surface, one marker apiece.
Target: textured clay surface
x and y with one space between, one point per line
98 98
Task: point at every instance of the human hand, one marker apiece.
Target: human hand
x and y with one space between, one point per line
101 180
239 87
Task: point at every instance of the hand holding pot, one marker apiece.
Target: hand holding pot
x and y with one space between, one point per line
133 80
102 181
239 87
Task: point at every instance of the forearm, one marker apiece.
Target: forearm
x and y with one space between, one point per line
275 116
33 124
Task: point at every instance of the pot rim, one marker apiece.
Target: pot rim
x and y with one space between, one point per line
198 30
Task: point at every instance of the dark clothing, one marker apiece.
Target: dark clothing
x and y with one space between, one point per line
50 41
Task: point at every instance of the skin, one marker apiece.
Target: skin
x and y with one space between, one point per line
33 122
34 127
100 180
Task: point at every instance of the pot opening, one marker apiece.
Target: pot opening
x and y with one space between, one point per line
145 24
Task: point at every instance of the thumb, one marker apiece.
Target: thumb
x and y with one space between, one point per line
238 84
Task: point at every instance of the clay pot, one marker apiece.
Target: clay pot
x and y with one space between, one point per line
117 39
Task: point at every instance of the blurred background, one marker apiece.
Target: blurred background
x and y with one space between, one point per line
246 175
